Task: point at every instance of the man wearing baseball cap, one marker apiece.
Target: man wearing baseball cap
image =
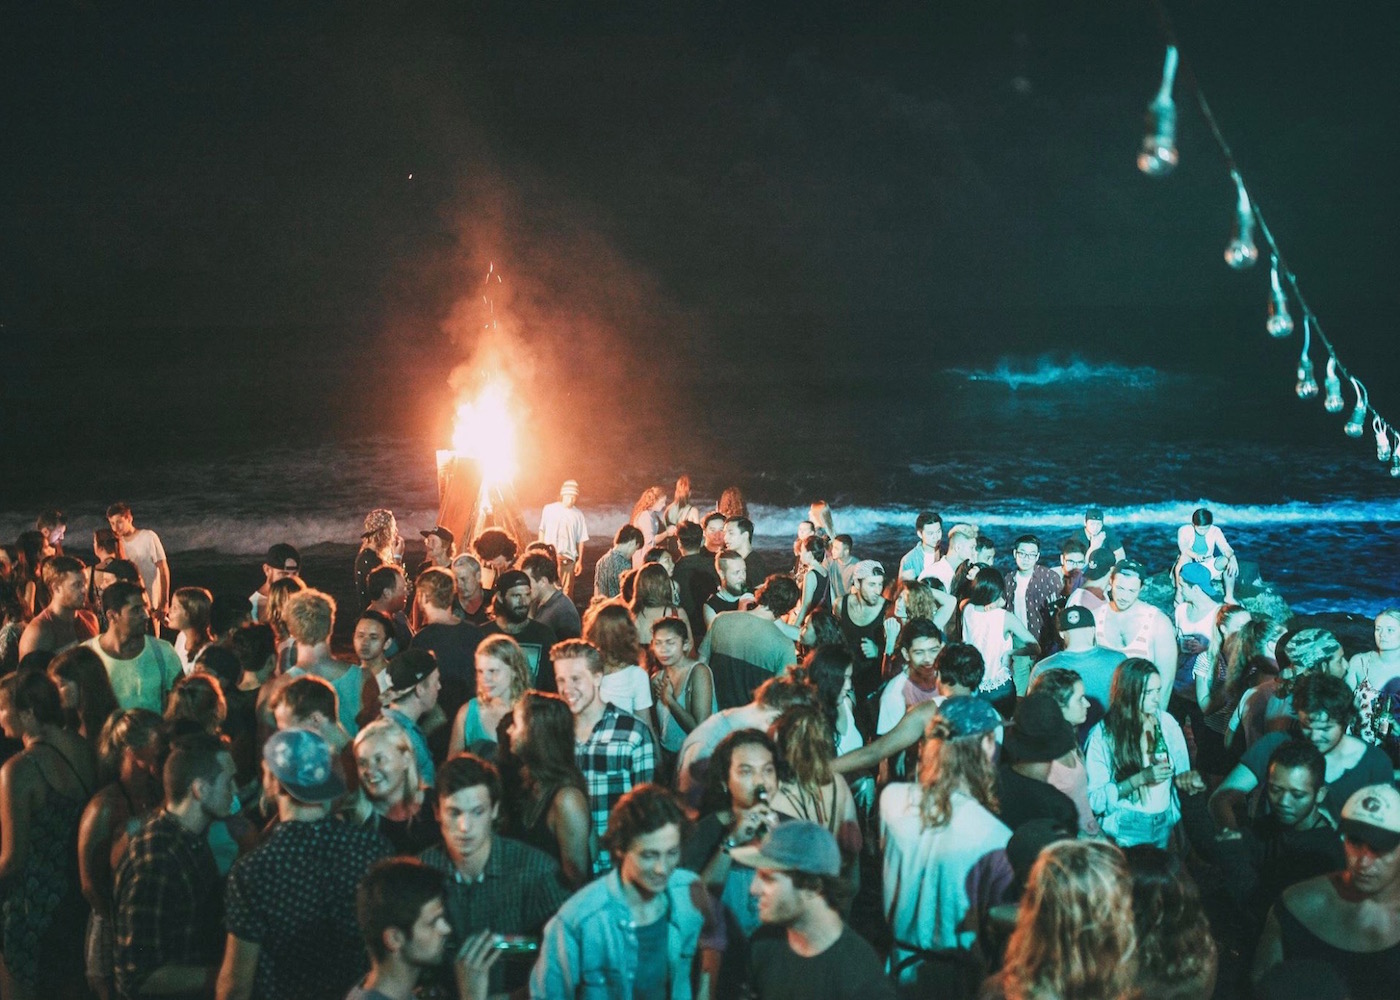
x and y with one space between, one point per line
1081 653
945 849
282 560
861 615
1348 919
439 544
511 616
414 685
804 949
290 903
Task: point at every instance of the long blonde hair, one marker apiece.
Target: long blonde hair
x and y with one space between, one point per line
951 764
505 650
1074 936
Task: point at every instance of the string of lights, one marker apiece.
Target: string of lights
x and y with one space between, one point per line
1158 157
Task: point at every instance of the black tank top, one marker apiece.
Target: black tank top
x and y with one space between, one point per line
874 631
1369 975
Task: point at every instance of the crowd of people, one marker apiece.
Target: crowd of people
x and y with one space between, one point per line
723 773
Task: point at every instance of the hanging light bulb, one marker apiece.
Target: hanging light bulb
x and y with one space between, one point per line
1395 465
1356 423
1383 447
1241 252
1333 401
1158 156
1307 380
1279 324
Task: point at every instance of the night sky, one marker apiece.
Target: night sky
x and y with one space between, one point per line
221 216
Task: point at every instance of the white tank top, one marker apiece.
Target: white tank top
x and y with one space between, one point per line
985 628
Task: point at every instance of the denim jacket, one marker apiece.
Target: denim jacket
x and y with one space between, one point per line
589 950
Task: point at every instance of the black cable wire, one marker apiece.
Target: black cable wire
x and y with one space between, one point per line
1281 262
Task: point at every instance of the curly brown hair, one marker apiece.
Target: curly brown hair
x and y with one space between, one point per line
1074 938
612 629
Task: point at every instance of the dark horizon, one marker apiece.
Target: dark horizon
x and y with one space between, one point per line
219 199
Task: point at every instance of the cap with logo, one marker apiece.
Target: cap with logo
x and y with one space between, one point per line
1372 816
303 765
447 537
1098 565
283 556
408 669
1074 616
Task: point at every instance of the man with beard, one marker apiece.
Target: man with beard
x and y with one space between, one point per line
400 910
733 574
552 607
861 615
804 949
512 618
64 622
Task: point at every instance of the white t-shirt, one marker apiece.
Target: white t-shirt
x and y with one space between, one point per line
183 652
629 689
1018 604
144 549
926 870
563 527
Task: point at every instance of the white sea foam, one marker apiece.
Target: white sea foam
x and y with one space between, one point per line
1019 373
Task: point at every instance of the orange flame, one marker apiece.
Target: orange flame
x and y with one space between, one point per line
485 432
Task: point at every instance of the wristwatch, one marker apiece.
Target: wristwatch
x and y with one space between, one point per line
729 844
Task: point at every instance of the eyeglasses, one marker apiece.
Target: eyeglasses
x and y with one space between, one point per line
1028 555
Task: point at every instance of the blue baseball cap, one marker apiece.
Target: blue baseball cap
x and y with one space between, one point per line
304 766
797 846
969 715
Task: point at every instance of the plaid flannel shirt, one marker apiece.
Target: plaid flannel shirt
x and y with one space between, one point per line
168 903
617 756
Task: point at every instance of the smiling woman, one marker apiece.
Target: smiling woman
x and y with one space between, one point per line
392 798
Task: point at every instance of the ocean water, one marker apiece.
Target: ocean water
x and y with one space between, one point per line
1023 445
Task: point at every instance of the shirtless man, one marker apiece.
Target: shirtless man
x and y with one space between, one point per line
63 623
1134 628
